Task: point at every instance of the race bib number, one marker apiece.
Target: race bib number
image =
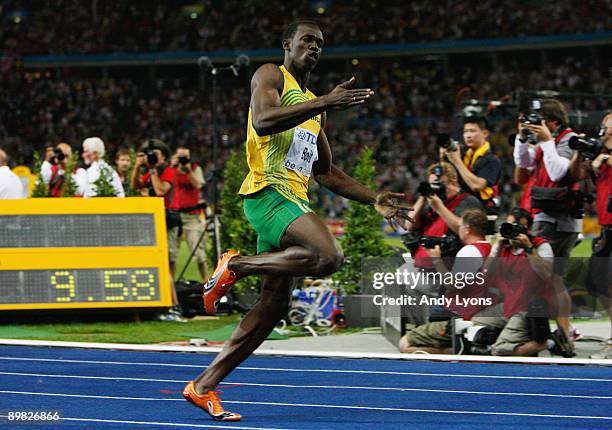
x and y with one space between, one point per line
303 152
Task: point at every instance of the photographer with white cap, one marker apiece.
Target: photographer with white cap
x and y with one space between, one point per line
93 155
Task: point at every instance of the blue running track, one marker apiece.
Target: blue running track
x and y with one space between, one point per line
142 390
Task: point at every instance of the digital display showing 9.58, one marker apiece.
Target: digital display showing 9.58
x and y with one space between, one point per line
114 285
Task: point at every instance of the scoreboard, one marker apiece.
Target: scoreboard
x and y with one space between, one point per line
67 253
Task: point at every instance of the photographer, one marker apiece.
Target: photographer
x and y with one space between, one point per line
437 214
521 266
62 155
436 337
153 174
438 209
479 169
551 159
553 201
47 164
600 265
188 181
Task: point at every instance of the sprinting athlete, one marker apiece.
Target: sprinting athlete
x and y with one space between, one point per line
286 145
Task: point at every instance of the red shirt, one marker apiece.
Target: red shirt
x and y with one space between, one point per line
541 176
603 184
517 280
167 175
185 194
56 182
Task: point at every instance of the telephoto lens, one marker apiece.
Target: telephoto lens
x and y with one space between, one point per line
589 148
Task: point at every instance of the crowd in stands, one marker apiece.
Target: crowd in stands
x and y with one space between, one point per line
413 102
75 27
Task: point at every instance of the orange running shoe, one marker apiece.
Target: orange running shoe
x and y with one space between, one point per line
210 402
219 283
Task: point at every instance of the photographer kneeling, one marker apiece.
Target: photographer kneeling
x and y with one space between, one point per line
469 300
437 214
521 266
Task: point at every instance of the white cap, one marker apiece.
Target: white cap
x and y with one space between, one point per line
94 144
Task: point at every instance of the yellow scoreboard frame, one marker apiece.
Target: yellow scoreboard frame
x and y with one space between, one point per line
125 276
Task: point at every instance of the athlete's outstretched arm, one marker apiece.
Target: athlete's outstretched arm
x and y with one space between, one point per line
269 117
388 204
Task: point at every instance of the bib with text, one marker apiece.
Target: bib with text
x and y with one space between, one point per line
303 152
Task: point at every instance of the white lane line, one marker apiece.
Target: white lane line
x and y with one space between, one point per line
153 423
310 353
324 387
307 405
275 369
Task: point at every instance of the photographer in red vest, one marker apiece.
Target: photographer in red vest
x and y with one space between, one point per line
553 201
437 211
62 154
187 200
521 266
597 158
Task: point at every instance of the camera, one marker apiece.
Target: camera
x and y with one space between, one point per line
438 188
589 148
426 189
151 157
447 142
411 241
531 118
58 156
449 244
183 161
512 230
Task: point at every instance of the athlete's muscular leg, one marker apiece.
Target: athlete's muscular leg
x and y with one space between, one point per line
308 249
250 332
